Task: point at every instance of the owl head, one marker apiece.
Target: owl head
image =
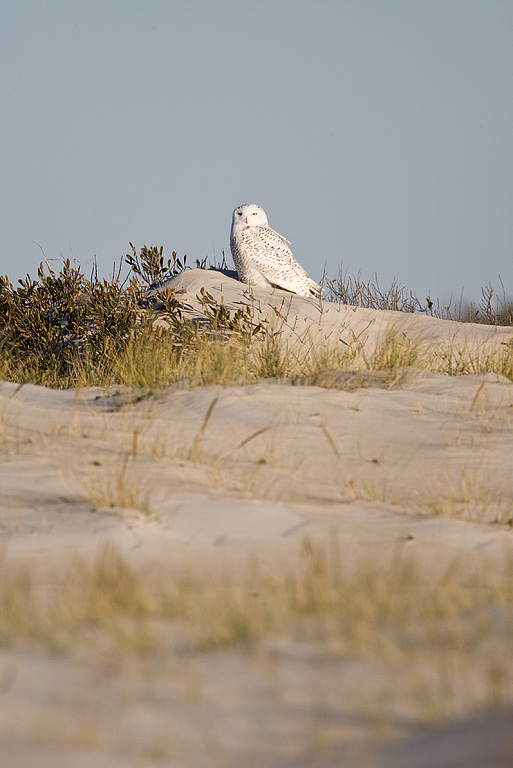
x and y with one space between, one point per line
249 216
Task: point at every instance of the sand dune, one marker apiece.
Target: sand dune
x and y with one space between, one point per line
300 319
421 471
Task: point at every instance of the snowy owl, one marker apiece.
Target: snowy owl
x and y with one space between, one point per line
262 257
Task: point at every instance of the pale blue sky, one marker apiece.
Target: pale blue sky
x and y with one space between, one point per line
375 133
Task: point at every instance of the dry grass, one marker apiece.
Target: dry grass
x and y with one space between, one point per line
118 486
440 642
467 495
354 291
472 498
154 364
392 614
494 308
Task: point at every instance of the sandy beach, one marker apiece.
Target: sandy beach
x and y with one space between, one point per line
243 483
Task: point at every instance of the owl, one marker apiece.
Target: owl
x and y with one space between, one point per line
262 257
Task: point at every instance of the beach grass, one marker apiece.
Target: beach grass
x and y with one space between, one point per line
390 615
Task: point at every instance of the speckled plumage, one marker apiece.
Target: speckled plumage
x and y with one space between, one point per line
262 257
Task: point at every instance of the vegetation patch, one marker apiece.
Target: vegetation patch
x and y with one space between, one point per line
381 615
65 329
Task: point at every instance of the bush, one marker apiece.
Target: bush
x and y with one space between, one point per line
52 325
60 329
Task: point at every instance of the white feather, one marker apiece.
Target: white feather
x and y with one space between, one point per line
263 257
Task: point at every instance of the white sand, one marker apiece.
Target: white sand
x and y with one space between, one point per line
301 319
368 466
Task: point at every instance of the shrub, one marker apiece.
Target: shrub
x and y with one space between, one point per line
53 325
60 329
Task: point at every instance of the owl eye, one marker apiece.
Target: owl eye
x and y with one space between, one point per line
239 213
254 213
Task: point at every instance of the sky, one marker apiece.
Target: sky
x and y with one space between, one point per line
376 134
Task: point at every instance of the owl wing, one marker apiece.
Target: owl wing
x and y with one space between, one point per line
274 260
